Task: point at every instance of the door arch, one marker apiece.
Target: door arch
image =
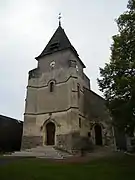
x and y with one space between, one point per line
50 133
98 135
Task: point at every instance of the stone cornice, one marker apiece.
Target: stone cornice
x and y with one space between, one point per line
51 111
37 87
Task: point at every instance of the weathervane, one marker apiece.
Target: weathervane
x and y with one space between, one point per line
59 19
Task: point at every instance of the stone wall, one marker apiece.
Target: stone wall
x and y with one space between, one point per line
62 60
39 99
31 141
29 125
35 125
96 112
53 101
94 106
73 142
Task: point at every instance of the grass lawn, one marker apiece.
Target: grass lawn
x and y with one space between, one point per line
120 167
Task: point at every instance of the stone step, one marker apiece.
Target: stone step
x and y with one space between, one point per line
43 152
48 150
44 148
32 154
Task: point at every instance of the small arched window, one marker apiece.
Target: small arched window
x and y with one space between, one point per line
78 90
51 86
89 134
80 123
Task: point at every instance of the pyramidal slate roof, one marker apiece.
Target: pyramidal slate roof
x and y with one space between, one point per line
58 42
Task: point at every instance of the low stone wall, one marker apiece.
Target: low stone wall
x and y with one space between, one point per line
31 142
73 142
64 142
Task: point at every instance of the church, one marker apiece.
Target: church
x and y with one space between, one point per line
61 110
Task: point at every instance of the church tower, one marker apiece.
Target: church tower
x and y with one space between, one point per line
54 104
60 107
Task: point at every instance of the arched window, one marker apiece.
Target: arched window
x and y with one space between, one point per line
89 134
78 90
80 123
51 86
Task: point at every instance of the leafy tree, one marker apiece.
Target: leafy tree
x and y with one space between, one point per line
117 80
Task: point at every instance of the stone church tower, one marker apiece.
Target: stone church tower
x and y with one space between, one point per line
60 107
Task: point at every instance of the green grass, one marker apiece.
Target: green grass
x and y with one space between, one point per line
121 168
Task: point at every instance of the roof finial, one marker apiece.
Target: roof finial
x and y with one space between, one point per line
59 19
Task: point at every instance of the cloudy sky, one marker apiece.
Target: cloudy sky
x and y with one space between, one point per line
27 25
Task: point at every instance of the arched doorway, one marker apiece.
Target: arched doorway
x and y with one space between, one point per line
50 133
98 135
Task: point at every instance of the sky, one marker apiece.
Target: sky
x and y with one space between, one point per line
26 27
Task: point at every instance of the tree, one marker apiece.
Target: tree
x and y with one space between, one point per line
117 80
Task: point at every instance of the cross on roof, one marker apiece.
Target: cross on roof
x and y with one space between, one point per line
59 19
